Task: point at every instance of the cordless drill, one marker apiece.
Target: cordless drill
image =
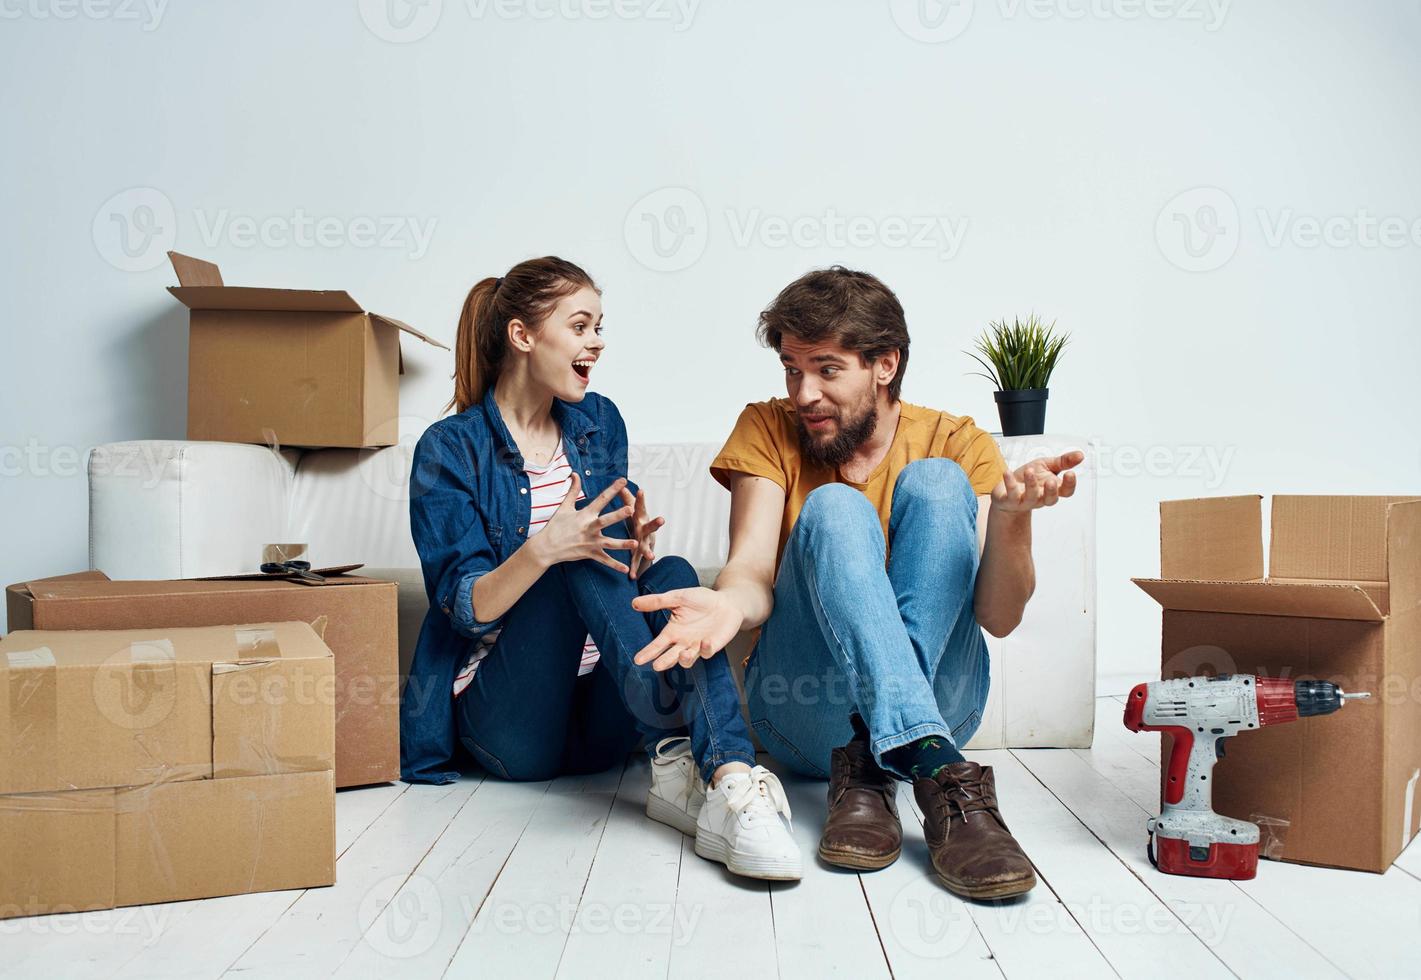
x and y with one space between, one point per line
1189 838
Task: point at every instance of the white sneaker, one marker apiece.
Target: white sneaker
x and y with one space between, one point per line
677 792
741 827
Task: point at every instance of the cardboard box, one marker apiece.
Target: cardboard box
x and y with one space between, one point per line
294 367
143 766
361 632
1341 602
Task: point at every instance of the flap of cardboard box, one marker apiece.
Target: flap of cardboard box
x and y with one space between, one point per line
261 298
195 272
1212 538
1315 600
406 328
1330 537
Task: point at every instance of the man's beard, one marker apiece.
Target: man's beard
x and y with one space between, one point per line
839 450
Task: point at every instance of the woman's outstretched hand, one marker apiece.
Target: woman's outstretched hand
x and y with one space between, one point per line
572 534
702 622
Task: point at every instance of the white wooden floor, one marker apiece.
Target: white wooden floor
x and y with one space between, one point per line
569 879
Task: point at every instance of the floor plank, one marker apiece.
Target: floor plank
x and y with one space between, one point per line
1246 936
1137 932
522 926
823 926
1033 935
413 931
629 915
324 924
727 911
926 931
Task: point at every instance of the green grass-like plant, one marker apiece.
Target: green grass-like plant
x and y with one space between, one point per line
1020 354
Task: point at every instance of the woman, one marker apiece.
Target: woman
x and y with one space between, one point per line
526 654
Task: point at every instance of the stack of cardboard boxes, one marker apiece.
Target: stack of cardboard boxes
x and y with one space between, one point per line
164 764
167 740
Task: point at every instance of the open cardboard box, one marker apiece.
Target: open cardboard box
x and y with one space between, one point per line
1341 602
160 765
293 367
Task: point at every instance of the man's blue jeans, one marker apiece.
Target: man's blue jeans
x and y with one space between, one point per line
898 643
528 716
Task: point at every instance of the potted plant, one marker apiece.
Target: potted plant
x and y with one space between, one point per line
1019 358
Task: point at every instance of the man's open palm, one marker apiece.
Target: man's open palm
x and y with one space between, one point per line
702 623
1039 483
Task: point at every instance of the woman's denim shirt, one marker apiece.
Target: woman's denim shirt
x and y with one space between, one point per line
469 511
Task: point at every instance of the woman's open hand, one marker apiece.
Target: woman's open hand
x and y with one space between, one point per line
572 534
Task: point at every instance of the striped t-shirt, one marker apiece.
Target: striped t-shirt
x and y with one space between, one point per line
548 486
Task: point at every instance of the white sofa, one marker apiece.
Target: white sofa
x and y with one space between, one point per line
189 509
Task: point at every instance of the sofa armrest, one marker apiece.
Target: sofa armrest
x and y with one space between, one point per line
179 509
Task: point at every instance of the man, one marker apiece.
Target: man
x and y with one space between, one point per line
854 540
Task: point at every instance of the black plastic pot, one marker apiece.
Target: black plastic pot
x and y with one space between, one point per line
1023 412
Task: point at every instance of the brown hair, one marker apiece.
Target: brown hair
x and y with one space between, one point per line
527 292
853 309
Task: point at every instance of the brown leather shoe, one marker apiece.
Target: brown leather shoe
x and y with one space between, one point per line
973 851
862 831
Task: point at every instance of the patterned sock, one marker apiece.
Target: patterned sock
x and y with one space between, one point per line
924 758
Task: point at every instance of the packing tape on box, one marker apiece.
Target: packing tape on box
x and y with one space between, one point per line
1272 835
152 652
257 643
74 801
34 707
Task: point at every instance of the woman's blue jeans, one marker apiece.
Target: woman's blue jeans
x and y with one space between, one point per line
896 641
528 716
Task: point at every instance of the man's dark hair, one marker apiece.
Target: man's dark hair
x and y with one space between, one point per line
853 309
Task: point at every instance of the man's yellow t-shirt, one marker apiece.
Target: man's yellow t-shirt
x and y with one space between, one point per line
765 442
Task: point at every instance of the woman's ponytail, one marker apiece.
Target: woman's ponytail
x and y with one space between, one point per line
478 347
